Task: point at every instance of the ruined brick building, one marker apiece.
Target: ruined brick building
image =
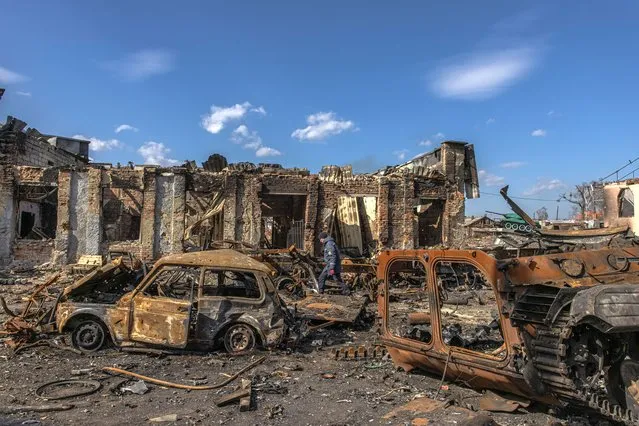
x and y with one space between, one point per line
55 206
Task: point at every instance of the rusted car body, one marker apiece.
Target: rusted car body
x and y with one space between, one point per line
564 330
192 299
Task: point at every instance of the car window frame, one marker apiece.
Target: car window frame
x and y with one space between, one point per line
258 279
409 258
457 349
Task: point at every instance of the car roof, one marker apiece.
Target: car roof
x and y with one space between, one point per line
222 258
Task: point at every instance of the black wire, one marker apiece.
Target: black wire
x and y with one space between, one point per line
522 198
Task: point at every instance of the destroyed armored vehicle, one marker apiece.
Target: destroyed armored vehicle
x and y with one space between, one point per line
200 299
559 329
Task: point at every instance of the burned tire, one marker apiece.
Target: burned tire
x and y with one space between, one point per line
239 339
89 336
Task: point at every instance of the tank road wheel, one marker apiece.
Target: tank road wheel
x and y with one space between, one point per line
508 225
522 228
89 336
528 228
238 339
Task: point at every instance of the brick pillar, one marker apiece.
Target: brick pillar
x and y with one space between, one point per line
453 219
310 215
230 206
93 236
179 209
383 212
409 220
7 213
147 225
251 203
63 229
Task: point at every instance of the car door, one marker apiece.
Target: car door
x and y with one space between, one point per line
225 296
468 322
161 310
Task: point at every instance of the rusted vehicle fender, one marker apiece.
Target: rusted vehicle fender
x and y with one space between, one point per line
612 308
65 313
273 337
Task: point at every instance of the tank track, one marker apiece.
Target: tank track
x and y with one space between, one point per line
549 354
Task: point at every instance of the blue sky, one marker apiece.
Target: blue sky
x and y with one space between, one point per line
547 93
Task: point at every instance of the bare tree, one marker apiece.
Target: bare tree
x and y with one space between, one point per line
542 214
587 200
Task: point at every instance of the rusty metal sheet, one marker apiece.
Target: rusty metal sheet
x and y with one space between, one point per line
498 403
222 258
325 307
349 224
160 321
417 406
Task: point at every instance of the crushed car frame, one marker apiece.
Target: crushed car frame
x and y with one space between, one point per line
558 328
193 299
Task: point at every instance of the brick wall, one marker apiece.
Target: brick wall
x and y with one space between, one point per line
42 154
30 253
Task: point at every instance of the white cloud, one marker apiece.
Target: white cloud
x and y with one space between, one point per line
483 75
11 77
123 127
426 142
249 139
142 64
322 125
489 179
551 113
545 185
252 140
25 94
219 116
439 135
490 120
266 151
100 144
259 110
400 154
538 133
156 153
512 165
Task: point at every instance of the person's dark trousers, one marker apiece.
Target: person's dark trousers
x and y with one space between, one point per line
321 281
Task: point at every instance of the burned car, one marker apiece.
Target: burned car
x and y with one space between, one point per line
560 329
199 299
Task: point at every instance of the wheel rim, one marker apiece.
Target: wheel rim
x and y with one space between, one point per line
239 339
89 336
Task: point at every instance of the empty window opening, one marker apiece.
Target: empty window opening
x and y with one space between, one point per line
626 203
429 222
283 221
204 219
121 214
37 212
174 282
228 283
408 314
468 307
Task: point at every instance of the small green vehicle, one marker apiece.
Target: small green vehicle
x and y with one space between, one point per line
513 222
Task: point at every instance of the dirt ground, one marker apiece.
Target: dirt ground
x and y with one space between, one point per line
306 386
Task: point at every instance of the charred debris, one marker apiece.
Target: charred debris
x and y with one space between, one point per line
224 257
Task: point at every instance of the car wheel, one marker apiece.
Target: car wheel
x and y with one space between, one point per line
89 336
239 338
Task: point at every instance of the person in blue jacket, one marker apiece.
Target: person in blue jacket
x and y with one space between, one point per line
333 262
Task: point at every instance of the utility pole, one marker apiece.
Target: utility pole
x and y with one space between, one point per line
557 217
